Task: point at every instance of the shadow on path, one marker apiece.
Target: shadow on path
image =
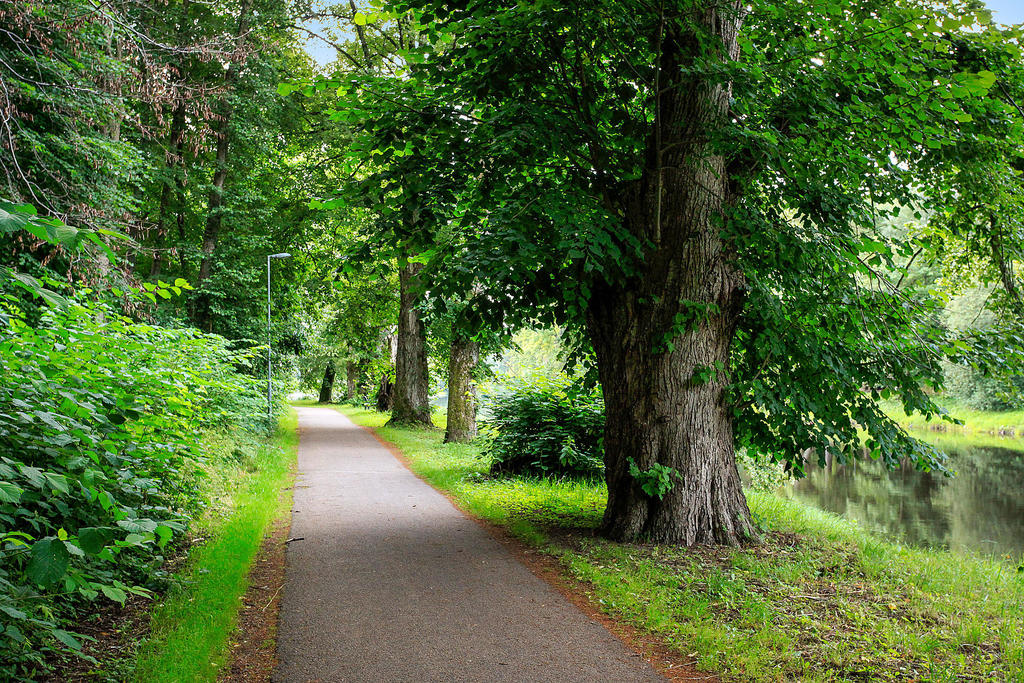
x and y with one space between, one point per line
392 583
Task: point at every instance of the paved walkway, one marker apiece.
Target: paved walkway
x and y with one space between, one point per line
392 583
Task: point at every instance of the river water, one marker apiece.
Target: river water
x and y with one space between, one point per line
981 509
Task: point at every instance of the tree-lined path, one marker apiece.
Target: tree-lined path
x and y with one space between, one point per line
392 583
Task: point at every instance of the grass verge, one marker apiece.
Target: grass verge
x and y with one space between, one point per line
190 628
819 600
1002 424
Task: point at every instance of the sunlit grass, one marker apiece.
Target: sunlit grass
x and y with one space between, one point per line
820 600
977 423
191 627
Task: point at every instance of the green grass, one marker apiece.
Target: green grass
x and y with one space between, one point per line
976 422
190 628
819 600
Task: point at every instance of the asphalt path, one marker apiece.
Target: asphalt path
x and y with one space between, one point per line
390 582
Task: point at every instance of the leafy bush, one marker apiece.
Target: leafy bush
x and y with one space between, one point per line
764 473
546 427
100 420
971 388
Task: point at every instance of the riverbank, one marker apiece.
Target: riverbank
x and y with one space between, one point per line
1003 424
819 599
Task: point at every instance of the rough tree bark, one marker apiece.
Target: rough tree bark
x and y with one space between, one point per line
327 385
385 399
659 408
412 383
385 395
463 357
351 379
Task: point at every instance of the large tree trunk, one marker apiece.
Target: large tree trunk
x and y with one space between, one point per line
161 234
327 386
464 355
351 380
1004 264
412 382
385 394
662 342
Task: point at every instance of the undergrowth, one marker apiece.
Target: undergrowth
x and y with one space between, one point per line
102 467
191 627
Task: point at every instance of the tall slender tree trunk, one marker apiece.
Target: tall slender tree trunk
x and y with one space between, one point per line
412 382
1004 264
385 399
176 142
385 394
161 234
327 385
351 380
215 203
663 343
463 357
362 389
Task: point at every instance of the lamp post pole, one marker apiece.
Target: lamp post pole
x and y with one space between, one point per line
270 411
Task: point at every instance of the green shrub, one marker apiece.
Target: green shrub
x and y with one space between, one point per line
973 389
546 427
100 427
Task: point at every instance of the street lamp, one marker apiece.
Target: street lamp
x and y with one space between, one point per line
270 413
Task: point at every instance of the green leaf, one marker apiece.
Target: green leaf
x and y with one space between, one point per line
423 256
67 639
114 593
138 526
95 239
13 613
93 539
48 418
10 493
50 560
57 482
163 534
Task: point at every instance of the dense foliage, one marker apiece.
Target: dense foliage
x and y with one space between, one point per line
161 121
101 422
547 427
699 191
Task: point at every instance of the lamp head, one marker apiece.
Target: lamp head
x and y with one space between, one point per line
281 255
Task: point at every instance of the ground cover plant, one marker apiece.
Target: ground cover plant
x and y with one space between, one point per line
191 628
102 421
819 599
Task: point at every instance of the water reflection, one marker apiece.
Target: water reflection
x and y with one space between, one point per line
981 509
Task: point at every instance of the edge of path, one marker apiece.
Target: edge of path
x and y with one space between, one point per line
253 653
663 659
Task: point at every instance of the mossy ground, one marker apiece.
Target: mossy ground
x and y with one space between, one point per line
818 600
